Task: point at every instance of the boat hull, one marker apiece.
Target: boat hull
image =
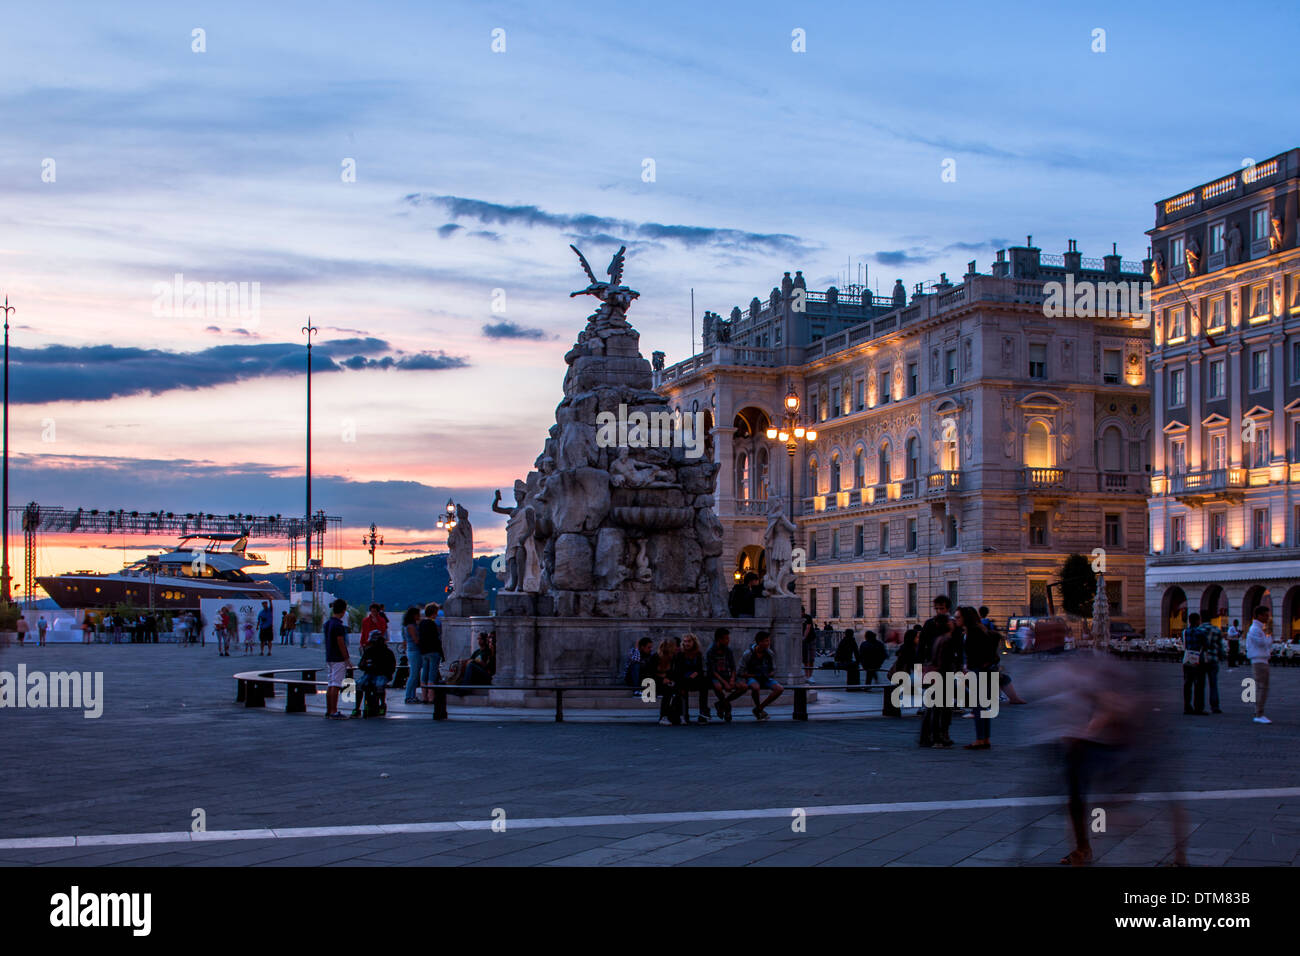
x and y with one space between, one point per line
103 591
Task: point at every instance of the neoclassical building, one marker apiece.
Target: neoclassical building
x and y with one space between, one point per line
968 436
1225 506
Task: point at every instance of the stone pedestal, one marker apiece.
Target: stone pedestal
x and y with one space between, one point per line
466 606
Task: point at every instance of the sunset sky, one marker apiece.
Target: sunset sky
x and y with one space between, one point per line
475 169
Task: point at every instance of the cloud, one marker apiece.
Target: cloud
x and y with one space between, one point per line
512 330
586 225
100 372
898 257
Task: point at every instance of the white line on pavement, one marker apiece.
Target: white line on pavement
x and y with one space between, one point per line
536 823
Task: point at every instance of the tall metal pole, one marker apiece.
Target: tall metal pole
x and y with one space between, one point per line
309 330
4 515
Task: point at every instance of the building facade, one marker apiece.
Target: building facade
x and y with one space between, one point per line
968 437
1225 505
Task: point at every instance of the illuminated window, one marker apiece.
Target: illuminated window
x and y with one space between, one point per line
1259 223
1218 313
1176 251
1038 446
1218 451
1177 323
1259 538
1260 300
1263 449
1216 237
1178 534
1218 531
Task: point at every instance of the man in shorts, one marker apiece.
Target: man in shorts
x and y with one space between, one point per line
721 665
337 659
757 670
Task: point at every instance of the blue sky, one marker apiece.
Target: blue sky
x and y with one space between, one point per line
475 170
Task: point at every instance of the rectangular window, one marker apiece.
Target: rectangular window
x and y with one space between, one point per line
1218 531
953 596
884 600
812 601
859 610
1217 385
1176 252
1114 535
886 389
1296 525
1295 361
1037 597
835 542
1110 366
1259 308
812 546
1218 451
1218 313
884 537
913 379
1263 447
911 523
1178 534
1038 529
950 534
1177 457
1177 323
857 540
1260 528
1216 238
950 367
860 403
1259 223
835 603
1038 360
1295 440
911 599
835 402
1177 387
1115 596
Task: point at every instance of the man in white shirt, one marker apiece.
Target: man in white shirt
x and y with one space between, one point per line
1258 647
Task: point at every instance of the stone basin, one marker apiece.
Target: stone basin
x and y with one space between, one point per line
652 518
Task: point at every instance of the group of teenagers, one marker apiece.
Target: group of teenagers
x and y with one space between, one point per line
680 667
378 666
946 644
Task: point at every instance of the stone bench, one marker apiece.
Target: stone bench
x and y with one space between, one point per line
253 687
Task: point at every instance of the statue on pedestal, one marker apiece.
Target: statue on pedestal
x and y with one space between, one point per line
778 540
519 528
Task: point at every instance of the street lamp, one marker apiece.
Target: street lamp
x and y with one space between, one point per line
373 540
791 432
447 521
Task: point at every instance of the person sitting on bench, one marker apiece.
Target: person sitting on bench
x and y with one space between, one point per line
757 672
376 666
479 669
722 672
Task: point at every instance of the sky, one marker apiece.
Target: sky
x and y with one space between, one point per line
387 172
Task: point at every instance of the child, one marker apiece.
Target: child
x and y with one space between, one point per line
248 636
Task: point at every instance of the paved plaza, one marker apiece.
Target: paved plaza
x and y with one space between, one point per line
622 791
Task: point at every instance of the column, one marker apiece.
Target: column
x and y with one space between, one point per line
726 489
1234 389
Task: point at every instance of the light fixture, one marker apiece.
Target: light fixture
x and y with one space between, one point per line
810 435
771 433
782 436
792 399
799 431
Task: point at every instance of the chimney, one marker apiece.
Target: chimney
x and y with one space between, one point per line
1112 262
1073 257
1001 268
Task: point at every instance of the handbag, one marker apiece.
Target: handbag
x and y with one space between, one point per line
1191 658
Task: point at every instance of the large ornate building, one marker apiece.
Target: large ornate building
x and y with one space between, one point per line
968 438
1225 507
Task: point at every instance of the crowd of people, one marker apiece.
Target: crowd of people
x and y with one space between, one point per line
680 669
1205 647
419 670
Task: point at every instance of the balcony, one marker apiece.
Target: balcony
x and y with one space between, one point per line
1200 485
1118 482
1043 479
943 483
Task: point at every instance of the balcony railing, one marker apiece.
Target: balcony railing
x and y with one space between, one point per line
1042 478
1207 482
1121 482
943 482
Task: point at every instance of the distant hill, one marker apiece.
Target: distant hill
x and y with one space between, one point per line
397 586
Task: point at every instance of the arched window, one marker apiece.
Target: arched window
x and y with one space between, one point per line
948 458
760 487
883 472
1112 449
835 472
742 477
810 479
1038 446
859 469
913 458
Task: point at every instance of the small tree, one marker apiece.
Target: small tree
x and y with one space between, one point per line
1078 586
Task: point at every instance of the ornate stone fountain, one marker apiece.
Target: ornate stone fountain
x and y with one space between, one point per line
609 540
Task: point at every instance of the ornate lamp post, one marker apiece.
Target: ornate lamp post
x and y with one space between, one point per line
309 330
373 540
446 522
790 433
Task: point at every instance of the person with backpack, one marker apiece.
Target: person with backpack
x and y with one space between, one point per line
376 666
1194 640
